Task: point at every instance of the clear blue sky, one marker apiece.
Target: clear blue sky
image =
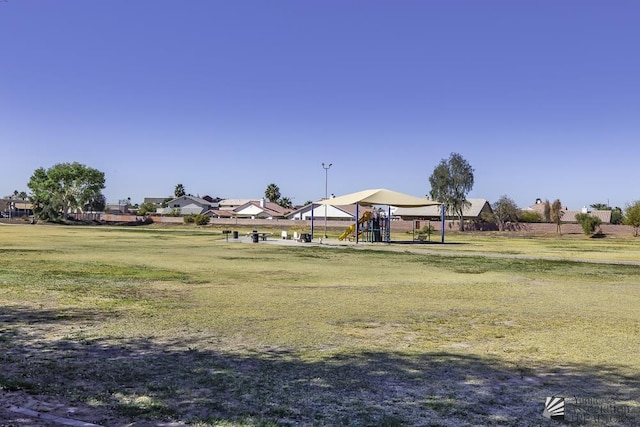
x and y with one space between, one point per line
541 97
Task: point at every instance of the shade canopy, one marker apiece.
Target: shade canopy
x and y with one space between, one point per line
379 196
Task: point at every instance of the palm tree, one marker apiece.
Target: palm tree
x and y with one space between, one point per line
272 193
23 196
179 191
285 202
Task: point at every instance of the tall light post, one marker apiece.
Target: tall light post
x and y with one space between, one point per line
326 194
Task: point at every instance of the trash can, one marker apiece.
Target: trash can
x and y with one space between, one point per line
254 236
235 234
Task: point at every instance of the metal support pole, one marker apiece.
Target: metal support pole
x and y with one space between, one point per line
442 231
311 221
357 223
326 195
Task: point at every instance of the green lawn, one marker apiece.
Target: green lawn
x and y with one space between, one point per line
149 324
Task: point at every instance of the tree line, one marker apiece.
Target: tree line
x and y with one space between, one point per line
68 187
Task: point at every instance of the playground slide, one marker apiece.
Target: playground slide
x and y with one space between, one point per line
352 228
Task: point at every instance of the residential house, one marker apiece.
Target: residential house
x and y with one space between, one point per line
569 216
187 205
231 204
472 212
261 209
158 201
15 208
347 213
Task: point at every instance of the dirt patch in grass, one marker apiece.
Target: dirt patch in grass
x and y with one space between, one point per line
206 380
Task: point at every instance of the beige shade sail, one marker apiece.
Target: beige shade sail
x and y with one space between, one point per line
379 196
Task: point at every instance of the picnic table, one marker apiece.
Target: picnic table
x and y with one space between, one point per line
258 235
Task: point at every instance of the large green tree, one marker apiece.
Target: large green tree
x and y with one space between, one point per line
272 193
632 216
505 210
450 182
63 188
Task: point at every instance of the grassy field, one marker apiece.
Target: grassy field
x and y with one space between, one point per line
134 326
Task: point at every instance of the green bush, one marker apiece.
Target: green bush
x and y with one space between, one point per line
146 208
530 216
202 219
589 223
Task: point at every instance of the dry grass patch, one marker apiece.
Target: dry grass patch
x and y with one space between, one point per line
147 325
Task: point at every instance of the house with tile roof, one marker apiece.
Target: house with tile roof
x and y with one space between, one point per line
472 212
187 205
333 213
569 216
261 209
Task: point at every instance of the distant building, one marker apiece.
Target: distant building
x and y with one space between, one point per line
333 212
569 216
472 212
187 205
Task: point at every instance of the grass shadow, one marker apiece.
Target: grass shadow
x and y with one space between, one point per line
207 382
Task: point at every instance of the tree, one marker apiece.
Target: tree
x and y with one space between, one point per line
505 210
62 188
546 211
632 216
616 213
588 222
96 203
285 202
146 208
556 214
450 182
179 191
23 196
272 193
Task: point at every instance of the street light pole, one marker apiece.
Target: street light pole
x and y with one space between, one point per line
326 195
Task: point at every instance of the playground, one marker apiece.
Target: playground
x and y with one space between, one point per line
374 225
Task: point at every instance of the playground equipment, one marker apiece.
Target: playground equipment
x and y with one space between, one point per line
351 230
373 226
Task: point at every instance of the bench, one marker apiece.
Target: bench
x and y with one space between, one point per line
262 236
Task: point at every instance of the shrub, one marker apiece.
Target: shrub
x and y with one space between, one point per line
589 223
146 208
530 216
189 219
202 219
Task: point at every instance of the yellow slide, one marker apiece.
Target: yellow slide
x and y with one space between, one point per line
352 228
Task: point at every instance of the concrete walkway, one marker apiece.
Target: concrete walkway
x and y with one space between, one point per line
420 248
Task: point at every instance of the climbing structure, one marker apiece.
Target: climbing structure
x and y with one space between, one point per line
351 230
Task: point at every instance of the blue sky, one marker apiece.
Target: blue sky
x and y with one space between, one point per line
542 98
